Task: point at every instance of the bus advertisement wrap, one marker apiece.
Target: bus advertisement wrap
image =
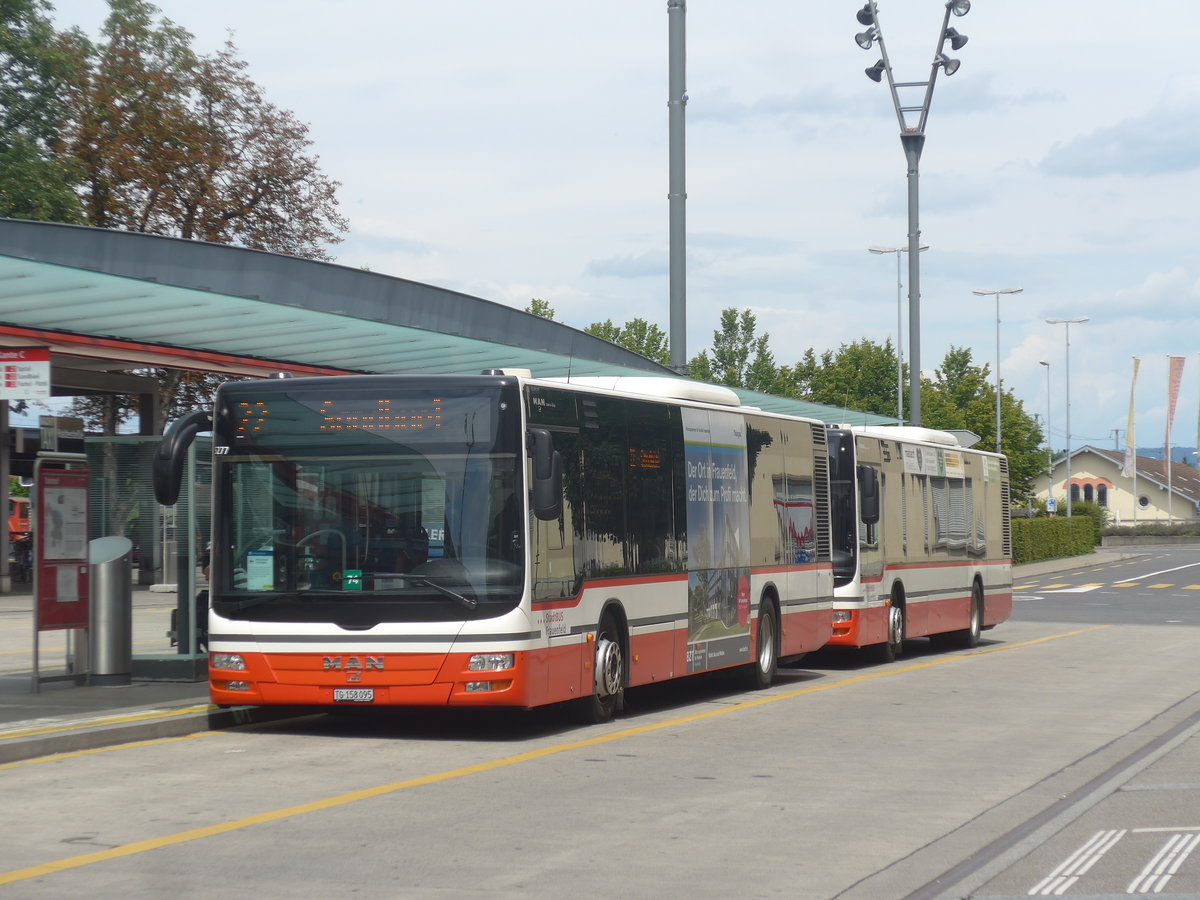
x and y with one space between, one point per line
718 519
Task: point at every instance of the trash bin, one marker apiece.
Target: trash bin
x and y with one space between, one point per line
111 564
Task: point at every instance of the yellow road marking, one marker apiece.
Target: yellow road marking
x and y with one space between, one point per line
58 757
1127 584
1158 586
1191 587
105 722
195 834
1050 587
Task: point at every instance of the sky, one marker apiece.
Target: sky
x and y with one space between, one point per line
518 149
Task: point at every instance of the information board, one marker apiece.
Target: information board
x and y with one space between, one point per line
61 501
24 373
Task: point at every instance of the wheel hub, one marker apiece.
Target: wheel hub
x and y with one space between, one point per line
608 668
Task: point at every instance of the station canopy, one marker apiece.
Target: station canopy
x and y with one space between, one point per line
109 301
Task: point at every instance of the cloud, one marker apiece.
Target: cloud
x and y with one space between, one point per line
642 265
1164 141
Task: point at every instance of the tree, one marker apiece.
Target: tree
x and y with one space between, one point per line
740 358
152 137
169 142
642 337
860 375
960 396
36 181
541 308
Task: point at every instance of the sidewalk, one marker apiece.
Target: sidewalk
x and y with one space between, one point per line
63 717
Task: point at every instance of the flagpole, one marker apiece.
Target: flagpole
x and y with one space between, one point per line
1131 441
1174 376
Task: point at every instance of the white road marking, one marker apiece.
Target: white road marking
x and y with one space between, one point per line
1078 863
1154 877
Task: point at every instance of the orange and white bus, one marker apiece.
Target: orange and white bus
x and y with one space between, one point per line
503 540
18 516
922 539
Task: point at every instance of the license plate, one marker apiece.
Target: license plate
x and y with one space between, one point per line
354 695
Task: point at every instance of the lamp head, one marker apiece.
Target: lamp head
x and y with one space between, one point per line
959 7
957 41
866 38
866 15
950 65
875 73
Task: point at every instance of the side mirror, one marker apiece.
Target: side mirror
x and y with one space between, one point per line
547 475
868 495
167 472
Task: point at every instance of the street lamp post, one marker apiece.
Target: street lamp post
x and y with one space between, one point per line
912 139
980 293
1067 361
899 326
1049 445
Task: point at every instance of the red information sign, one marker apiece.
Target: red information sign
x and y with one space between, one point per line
62 549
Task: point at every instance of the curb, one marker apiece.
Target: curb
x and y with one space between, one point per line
50 737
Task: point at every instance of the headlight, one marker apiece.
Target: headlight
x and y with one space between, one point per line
227 661
490 662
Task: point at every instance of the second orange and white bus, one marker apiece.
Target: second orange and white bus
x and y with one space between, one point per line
922 539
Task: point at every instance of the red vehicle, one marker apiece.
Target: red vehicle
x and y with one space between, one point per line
18 517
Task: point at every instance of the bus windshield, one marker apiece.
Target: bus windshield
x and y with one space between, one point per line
361 510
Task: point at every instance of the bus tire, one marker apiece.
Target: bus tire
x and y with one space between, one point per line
766 659
893 647
608 667
968 638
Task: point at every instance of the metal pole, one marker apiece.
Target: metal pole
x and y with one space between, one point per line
1068 362
676 102
999 383
913 144
899 350
1049 444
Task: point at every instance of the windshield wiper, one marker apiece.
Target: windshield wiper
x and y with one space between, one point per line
467 602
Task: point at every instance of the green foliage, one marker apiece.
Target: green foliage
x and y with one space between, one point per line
1093 512
540 308
860 375
960 396
1043 538
36 179
1156 529
740 358
35 184
638 335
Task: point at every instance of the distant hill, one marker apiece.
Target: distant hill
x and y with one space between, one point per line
1178 454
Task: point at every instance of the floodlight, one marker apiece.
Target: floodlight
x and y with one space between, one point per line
959 7
957 41
875 73
866 38
950 65
866 15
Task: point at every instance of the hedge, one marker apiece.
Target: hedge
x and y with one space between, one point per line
1057 538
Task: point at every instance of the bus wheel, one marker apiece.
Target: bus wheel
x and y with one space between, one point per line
894 645
969 637
766 664
608 694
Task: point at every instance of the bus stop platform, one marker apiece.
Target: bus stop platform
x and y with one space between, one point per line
63 717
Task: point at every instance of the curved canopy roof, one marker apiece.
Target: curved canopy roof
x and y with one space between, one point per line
113 300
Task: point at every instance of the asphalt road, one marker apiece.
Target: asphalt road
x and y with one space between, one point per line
1060 757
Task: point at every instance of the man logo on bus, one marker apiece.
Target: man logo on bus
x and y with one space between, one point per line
335 663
